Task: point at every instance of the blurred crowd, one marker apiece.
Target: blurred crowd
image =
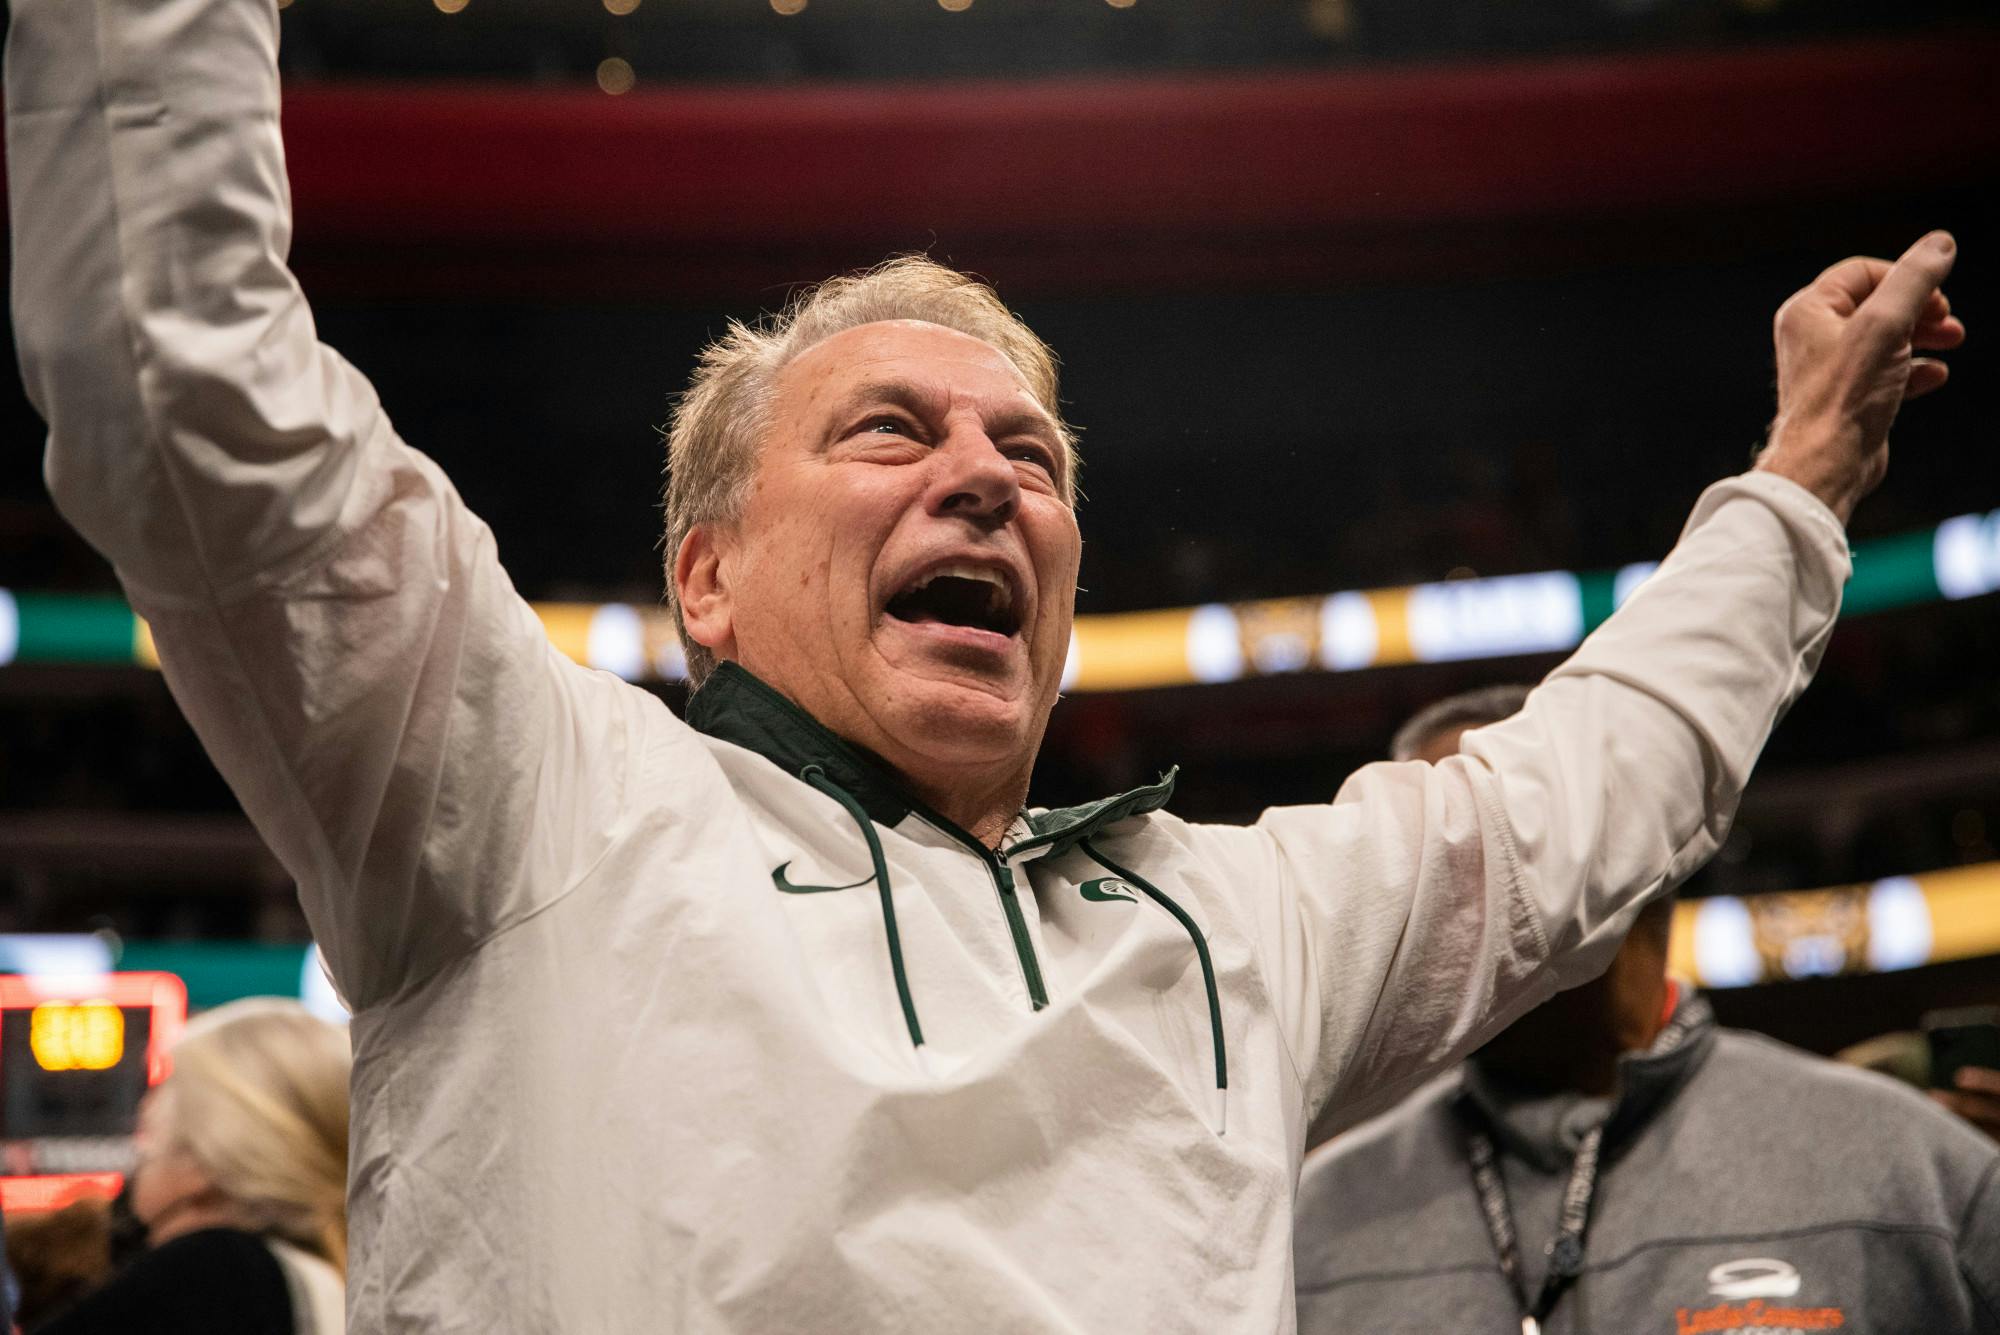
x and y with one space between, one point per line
234 1217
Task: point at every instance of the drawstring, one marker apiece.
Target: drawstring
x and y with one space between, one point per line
816 776
1207 972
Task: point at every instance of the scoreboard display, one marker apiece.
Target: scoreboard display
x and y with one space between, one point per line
76 1056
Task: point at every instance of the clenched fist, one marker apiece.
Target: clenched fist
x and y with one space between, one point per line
1848 348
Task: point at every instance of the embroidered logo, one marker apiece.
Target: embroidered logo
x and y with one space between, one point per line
1749 1282
1107 888
778 879
1753 1277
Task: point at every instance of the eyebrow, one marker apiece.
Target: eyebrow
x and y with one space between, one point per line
900 393
925 401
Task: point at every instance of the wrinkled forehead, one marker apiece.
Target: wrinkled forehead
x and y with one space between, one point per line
908 362
927 356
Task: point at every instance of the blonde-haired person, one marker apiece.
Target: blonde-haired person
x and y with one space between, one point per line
241 1183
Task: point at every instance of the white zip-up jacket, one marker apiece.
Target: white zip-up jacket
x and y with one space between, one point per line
637 1002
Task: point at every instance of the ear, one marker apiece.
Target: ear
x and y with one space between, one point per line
704 593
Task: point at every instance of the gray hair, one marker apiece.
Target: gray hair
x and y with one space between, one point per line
1468 709
721 421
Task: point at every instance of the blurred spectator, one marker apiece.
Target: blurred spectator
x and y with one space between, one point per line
1900 1056
58 1257
1905 1056
1975 1097
241 1184
1685 1177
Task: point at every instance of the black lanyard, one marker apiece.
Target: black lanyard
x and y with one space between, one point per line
1565 1250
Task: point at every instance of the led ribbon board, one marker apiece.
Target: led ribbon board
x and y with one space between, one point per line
1455 620
1899 922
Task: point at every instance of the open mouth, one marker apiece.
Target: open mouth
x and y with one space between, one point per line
957 594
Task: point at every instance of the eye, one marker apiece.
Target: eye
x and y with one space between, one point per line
888 424
1037 455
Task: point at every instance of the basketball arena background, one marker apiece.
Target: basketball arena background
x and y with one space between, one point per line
1402 334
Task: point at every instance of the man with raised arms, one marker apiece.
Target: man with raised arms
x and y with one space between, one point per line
796 1015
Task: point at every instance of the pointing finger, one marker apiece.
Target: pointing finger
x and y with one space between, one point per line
1905 291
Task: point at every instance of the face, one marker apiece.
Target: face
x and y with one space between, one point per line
905 565
1440 745
165 1175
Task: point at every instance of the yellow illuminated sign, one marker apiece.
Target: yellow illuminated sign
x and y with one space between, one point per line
77 1035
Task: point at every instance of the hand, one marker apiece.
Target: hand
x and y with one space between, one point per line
1977 1098
1847 359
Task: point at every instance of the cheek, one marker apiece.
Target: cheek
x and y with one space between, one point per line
146 1189
158 1182
1058 554
782 565
813 560
806 583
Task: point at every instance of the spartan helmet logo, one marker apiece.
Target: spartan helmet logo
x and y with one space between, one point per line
1811 933
1280 634
1753 1277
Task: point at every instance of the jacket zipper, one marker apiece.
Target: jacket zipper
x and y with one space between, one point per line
1010 903
996 866
1017 925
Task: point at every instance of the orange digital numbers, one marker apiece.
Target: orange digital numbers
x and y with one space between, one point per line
77 1035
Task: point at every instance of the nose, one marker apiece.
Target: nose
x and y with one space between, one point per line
974 480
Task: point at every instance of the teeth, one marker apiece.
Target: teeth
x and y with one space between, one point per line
1001 598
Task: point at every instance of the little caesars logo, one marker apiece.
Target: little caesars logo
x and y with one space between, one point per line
1755 1281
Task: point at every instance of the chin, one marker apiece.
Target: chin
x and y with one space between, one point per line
959 723
965 717
952 695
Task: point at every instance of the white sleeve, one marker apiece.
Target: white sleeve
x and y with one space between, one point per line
1428 906
332 619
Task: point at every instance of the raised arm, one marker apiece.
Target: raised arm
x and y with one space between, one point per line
1432 904
329 615
1848 348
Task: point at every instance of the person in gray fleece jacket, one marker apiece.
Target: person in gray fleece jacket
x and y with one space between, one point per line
1615 1162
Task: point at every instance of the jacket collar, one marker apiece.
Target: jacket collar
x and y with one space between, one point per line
733 705
1541 1128
736 706
1065 827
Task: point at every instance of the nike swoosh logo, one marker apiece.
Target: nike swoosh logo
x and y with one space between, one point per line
778 879
1106 888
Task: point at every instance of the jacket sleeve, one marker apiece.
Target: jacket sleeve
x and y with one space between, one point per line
1430 905
331 618
1978 1249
